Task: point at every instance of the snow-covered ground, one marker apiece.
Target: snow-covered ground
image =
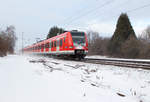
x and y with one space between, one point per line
41 79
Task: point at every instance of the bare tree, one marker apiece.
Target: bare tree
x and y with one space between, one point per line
10 31
92 37
145 35
145 40
7 41
97 44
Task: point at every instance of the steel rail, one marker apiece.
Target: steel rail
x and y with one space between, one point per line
120 62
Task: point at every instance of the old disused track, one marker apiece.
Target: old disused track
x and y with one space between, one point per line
121 63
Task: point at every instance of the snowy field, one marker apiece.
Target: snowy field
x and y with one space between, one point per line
41 79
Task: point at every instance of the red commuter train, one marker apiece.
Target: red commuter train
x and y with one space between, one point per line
68 44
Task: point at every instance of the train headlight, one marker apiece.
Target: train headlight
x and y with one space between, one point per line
70 47
83 44
75 44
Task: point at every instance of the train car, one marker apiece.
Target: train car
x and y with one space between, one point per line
69 44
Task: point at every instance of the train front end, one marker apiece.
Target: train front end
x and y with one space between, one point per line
80 44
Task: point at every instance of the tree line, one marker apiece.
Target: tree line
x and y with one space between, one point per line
123 43
7 41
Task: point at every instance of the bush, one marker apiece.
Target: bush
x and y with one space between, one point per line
131 48
97 44
145 51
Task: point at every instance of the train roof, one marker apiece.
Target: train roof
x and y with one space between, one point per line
52 38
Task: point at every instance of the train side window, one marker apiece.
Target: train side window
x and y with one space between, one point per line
42 46
46 45
54 43
49 44
64 39
57 43
61 42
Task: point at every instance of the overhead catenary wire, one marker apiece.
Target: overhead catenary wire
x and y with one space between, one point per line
114 15
112 9
88 12
138 8
71 17
133 10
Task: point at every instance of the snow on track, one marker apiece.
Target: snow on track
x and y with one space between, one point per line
41 79
109 58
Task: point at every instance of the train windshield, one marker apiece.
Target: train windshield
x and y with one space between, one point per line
78 38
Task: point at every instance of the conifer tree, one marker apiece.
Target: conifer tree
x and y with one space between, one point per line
54 31
123 32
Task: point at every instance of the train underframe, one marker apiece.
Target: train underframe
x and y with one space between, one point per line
78 54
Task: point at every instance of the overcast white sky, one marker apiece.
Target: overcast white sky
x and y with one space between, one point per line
35 17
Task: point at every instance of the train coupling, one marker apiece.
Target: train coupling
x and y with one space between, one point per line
79 51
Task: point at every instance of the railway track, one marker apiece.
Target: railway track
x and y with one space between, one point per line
117 62
121 63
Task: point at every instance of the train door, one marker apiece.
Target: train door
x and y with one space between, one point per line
49 46
64 43
42 49
57 45
61 44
